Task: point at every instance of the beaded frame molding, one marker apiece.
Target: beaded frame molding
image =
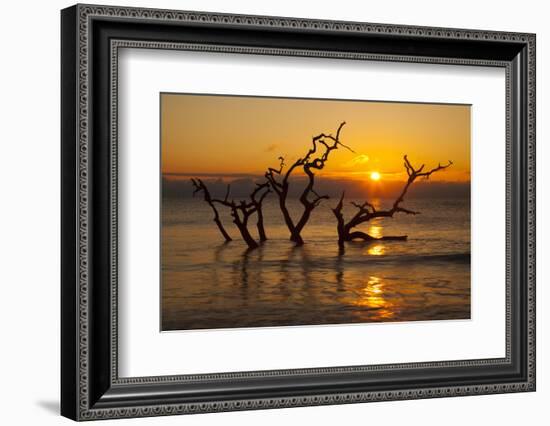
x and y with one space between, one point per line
91 38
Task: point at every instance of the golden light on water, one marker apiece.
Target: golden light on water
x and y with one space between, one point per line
376 250
375 176
373 297
375 231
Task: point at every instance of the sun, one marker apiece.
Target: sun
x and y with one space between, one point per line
375 176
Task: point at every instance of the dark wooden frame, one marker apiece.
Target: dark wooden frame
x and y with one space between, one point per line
90 386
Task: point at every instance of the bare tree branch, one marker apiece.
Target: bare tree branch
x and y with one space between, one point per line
275 185
314 159
200 186
366 211
240 211
263 191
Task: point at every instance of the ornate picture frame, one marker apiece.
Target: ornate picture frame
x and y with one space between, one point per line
91 38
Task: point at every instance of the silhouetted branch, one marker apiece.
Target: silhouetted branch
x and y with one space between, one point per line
263 191
314 159
227 192
240 212
200 186
413 175
269 175
359 235
366 211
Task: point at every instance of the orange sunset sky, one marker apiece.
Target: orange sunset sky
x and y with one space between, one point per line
232 136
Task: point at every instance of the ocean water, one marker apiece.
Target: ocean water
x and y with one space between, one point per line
207 283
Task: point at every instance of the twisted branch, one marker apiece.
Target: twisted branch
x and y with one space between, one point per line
314 159
201 187
366 211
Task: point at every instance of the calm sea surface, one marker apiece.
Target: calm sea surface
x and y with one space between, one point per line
207 283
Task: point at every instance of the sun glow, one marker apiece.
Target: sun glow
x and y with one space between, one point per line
376 250
375 176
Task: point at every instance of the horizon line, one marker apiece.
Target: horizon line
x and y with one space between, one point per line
348 176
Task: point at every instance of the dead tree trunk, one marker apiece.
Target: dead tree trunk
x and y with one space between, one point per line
200 186
242 223
367 211
281 190
242 210
260 225
257 197
315 158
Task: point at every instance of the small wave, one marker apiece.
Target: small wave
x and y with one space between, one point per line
400 259
457 258
446 257
330 262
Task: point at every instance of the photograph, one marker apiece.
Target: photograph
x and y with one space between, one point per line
292 211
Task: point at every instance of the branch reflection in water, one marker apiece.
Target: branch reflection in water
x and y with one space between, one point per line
208 284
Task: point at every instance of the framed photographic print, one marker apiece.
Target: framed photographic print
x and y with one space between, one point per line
263 212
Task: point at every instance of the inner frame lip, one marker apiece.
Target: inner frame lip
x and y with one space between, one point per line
117 44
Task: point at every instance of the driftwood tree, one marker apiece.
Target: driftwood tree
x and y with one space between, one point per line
240 210
257 198
366 211
314 159
201 187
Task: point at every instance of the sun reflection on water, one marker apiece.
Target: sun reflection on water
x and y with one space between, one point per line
373 296
375 231
376 250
